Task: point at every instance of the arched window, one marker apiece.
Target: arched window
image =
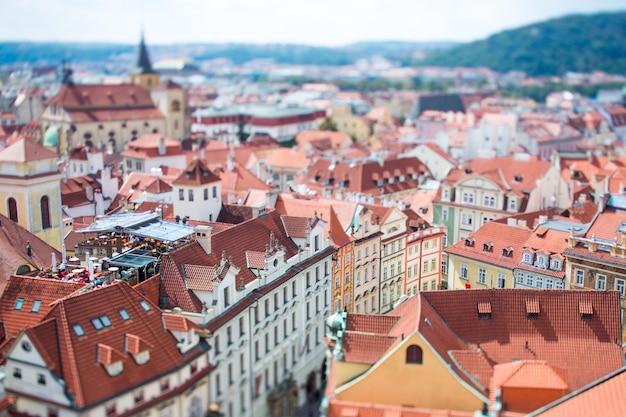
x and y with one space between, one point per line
12 203
175 105
414 354
45 212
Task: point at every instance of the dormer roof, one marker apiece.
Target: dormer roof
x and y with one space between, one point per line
196 174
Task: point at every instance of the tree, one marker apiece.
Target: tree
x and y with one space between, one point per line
328 124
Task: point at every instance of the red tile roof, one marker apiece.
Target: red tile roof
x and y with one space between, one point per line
43 291
173 285
13 253
500 236
196 174
507 173
86 96
26 151
72 357
365 348
556 335
603 397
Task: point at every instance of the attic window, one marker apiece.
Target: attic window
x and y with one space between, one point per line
36 306
487 247
468 170
518 178
484 311
508 251
78 329
101 322
124 314
18 304
469 242
532 309
145 305
585 309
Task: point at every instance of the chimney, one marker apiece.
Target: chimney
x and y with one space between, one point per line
161 145
89 193
203 237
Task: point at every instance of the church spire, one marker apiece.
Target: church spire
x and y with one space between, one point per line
144 66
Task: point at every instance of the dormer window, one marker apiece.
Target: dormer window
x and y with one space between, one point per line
527 258
484 311
555 264
541 261
507 252
585 309
469 241
518 178
512 203
487 247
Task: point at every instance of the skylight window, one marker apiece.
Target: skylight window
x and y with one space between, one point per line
78 329
124 314
36 306
97 323
19 303
101 322
105 320
145 305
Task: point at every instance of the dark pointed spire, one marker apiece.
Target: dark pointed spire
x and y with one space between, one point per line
144 66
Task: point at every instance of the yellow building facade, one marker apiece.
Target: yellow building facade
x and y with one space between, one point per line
30 190
422 384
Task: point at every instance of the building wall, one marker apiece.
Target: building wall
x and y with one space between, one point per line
199 208
428 385
455 282
366 270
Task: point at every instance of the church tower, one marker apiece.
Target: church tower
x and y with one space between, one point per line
30 190
143 74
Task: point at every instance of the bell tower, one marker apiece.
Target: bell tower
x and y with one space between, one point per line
143 74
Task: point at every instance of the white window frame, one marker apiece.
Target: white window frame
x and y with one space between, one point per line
482 276
579 273
620 286
463 271
501 280
600 282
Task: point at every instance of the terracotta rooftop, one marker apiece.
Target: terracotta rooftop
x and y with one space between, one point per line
488 243
196 174
603 397
69 352
26 151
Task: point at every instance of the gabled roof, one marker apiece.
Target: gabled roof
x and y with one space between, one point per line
13 253
337 233
26 151
38 295
603 397
196 174
82 97
555 336
510 174
173 285
72 358
251 235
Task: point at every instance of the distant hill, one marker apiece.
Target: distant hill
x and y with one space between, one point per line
581 43
38 53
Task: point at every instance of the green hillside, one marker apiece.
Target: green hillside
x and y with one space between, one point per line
572 43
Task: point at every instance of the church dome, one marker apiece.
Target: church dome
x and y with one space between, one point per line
335 323
51 137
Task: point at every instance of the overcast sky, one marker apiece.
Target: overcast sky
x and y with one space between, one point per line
314 22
